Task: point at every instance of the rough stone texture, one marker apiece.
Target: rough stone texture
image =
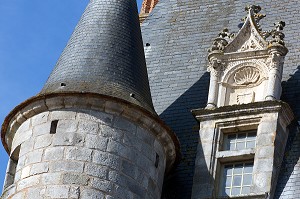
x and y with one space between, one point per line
107 160
178 34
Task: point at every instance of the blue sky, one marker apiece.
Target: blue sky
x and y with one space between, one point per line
33 33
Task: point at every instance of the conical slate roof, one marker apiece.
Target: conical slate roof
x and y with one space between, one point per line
105 55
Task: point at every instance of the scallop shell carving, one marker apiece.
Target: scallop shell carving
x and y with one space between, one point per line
246 76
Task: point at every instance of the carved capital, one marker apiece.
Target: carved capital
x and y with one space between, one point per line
215 66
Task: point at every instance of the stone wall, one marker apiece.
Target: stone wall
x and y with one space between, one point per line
89 154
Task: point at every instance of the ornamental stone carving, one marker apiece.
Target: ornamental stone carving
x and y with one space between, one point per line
246 67
246 76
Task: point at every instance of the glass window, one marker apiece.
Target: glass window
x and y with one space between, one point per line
237 179
239 141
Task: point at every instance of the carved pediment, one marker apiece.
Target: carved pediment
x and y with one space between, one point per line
246 67
248 38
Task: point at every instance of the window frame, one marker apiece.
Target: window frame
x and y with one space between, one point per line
222 186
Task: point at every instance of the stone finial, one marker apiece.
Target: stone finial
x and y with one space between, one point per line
276 33
220 42
254 10
277 38
279 25
218 45
226 34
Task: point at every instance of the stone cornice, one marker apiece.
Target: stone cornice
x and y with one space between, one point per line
98 102
245 109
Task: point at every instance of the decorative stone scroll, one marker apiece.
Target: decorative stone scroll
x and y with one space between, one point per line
246 67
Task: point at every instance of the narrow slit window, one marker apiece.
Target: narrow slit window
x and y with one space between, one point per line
53 126
156 160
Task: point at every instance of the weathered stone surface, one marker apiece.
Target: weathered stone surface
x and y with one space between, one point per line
68 139
94 116
34 157
96 142
62 115
73 178
124 124
36 193
43 141
51 178
40 119
96 170
67 166
81 154
28 182
53 154
91 194
107 159
39 168
41 129
103 185
58 191
88 127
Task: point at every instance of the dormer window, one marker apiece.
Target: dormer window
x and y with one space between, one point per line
239 141
237 179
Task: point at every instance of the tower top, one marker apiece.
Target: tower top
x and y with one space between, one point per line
104 56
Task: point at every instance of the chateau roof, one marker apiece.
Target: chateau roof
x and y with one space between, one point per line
104 55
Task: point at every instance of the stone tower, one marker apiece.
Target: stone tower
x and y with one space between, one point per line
92 131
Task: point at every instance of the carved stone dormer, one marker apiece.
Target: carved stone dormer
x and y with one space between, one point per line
244 128
247 67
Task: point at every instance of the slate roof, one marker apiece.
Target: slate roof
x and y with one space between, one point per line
178 34
104 55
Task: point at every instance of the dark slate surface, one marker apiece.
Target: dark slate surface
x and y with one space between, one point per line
178 33
104 55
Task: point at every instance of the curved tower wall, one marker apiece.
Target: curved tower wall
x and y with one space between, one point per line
76 151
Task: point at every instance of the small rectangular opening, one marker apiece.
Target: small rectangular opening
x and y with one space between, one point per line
156 160
53 126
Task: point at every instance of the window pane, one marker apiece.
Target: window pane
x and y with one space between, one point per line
250 144
231 137
241 136
246 190
232 146
248 168
227 192
240 145
235 191
251 135
237 181
238 169
228 170
239 141
247 179
228 181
